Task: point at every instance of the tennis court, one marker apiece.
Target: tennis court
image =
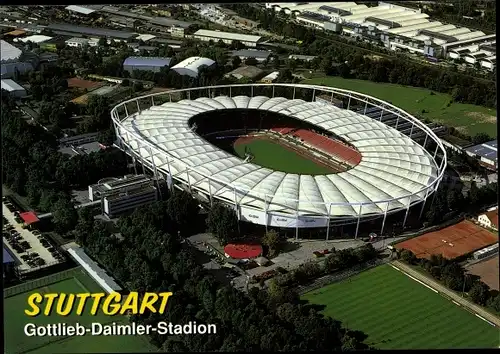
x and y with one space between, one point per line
73 281
451 242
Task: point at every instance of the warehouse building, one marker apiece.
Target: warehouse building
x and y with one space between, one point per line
486 153
153 64
246 72
14 61
120 195
259 55
77 42
14 89
227 37
64 29
37 38
191 66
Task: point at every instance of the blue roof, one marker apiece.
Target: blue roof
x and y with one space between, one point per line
7 257
147 61
487 150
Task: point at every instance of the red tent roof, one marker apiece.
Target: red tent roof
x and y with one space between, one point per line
29 217
242 251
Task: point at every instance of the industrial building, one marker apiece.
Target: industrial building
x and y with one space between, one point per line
301 57
64 28
227 37
246 72
120 195
14 89
192 65
486 153
397 28
36 38
153 64
270 78
259 55
14 61
77 42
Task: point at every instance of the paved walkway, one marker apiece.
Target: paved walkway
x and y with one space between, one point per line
435 285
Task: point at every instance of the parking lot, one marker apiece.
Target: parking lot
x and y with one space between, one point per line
31 249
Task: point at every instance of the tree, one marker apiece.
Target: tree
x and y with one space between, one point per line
223 223
251 61
480 138
235 62
183 209
272 241
65 216
479 293
494 303
408 256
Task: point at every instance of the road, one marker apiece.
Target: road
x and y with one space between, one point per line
451 294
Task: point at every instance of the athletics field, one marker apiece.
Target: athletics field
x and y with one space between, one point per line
396 312
467 118
273 155
72 281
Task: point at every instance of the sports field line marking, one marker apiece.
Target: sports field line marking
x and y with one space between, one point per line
395 267
456 303
485 320
418 281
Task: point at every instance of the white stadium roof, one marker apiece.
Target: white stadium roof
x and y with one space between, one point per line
9 52
227 36
11 85
392 165
191 66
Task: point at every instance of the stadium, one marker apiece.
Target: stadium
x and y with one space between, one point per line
286 156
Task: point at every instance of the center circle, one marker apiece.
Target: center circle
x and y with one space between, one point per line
276 141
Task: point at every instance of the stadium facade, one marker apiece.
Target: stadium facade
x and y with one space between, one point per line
401 165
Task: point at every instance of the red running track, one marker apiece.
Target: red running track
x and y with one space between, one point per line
330 146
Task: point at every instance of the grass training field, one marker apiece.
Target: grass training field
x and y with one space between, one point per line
277 157
467 118
396 312
77 282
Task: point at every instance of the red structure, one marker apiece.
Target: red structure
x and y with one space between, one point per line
29 217
333 147
243 251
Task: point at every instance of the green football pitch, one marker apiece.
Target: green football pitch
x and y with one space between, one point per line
272 155
75 281
396 312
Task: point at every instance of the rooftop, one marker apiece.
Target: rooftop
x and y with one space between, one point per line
245 71
147 61
227 36
8 51
487 150
251 53
80 9
7 257
29 217
90 31
11 85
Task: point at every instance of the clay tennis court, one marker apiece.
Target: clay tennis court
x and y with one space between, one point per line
451 242
84 84
489 272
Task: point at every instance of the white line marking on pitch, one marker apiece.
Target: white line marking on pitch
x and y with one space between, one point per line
456 303
485 320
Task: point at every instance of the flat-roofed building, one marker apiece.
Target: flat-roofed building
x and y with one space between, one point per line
192 65
154 64
120 195
259 55
77 42
486 153
227 37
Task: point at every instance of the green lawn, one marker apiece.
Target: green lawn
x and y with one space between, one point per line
467 118
275 156
396 312
16 341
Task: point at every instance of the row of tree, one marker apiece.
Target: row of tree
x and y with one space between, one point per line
148 258
33 166
454 277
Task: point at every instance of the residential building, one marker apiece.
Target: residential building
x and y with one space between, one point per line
120 195
227 37
154 64
191 66
489 219
15 90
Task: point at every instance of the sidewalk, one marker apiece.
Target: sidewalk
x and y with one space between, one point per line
442 289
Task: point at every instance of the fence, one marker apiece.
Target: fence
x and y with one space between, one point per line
337 277
38 283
